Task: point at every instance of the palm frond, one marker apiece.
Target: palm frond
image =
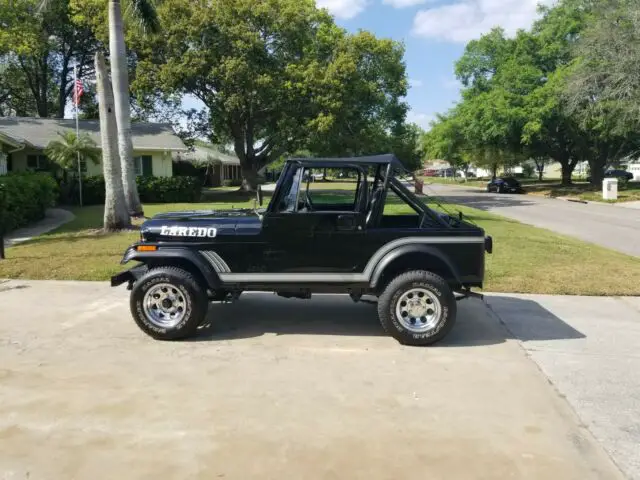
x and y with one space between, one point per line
65 151
145 14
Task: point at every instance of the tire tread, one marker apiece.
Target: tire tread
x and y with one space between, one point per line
409 276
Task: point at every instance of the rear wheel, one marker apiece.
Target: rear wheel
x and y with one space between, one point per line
417 308
168 304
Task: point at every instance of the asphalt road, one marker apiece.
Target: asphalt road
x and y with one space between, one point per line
610 226
277 388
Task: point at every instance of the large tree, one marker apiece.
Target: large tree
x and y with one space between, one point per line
603 85
39 47
275 76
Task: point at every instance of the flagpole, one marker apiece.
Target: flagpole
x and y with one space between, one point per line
76 100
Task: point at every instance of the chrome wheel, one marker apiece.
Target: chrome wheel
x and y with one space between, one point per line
418 310
164 305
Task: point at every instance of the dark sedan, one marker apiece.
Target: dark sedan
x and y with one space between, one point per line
504 185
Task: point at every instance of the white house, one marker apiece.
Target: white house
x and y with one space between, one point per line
23 140
222 166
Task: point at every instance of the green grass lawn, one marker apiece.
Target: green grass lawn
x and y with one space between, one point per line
525 259
585 191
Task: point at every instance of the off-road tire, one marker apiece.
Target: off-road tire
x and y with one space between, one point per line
195 299
407 281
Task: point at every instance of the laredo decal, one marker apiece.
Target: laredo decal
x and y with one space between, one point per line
188 231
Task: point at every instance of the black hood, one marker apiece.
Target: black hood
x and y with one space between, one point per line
200 225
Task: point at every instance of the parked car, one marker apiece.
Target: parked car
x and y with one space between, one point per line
303 243
619 174
504 185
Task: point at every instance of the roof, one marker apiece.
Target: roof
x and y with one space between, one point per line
333 162
38 132
200 153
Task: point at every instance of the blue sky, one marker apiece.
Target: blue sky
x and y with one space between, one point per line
434 33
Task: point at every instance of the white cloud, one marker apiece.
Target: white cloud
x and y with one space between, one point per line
404 3
450 83
344 9
468 19
415 83
422 119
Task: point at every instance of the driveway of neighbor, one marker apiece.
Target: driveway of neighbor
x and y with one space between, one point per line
588 348
278 389
607 225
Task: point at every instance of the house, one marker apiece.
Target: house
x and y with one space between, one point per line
222 167
23 140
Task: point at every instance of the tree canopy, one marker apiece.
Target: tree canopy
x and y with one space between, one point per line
275 77
565 90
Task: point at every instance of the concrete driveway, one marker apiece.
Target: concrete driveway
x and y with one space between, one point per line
276 389
607 225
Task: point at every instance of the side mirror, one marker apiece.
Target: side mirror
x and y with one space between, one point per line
259 195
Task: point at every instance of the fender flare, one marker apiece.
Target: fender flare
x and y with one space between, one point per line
176 253
426 250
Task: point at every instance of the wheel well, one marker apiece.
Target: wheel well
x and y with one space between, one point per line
416 261
182 263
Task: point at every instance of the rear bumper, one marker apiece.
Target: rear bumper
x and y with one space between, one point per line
129 276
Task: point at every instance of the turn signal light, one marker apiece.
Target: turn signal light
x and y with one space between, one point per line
146 248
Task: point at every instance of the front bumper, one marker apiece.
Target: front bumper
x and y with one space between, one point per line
129 276
488 244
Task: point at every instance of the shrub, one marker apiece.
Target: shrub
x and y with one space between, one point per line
169 189
25 198
150 189
183 168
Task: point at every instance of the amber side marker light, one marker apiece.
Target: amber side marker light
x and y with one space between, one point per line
146 248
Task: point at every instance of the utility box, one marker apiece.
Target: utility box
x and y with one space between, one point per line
610 189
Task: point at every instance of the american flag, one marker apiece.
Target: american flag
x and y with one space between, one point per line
77 92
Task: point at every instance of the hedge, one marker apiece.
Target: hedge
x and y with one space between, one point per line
24 198
150 189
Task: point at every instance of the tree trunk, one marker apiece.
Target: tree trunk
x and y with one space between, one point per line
116 216
249 176
596 166
120 78
567 165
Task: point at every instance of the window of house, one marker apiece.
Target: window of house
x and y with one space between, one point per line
37 162
3 164
142 165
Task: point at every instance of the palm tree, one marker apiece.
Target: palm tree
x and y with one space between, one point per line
116 216
65 151
145 13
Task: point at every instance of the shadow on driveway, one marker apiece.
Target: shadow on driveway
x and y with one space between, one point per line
256 314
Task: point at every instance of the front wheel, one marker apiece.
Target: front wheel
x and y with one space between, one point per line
168 304
417 308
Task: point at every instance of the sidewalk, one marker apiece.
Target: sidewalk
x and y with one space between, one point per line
54 218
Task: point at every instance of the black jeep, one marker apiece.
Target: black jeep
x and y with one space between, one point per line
375 239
